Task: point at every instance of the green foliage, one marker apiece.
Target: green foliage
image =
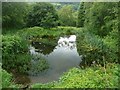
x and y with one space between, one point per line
39 64
94 48
44 86
97 50
43 15
13 14
111 41
7 80
59 5
67 16
9 31
89 45
97 77
100 18
81 15
14 54
38 32
92 77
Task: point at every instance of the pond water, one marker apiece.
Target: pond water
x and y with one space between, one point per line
60 59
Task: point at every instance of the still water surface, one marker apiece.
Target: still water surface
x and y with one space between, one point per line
60 58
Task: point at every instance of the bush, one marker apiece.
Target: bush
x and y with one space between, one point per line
111 41
92 48
95 49
14 54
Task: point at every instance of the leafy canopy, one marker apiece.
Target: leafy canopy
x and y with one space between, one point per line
43 15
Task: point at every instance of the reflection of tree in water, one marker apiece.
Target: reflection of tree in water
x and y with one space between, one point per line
44 44
43 47
38 64
50 58
37 48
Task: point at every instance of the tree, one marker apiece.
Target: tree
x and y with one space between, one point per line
43 15
81 15
101 18
66 16
13 14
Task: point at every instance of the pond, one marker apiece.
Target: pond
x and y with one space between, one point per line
59 59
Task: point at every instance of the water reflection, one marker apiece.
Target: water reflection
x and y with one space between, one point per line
41 47
63 57
67 41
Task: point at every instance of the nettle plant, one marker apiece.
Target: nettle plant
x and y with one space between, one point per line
14 54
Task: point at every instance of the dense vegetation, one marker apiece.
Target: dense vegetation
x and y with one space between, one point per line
14 54
95 25
98 20
43 15
13 14
68 18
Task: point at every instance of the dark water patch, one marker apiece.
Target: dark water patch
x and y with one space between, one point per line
43 47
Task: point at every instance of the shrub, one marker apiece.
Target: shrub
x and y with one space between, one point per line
92 48
14 54
96 49
111 41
